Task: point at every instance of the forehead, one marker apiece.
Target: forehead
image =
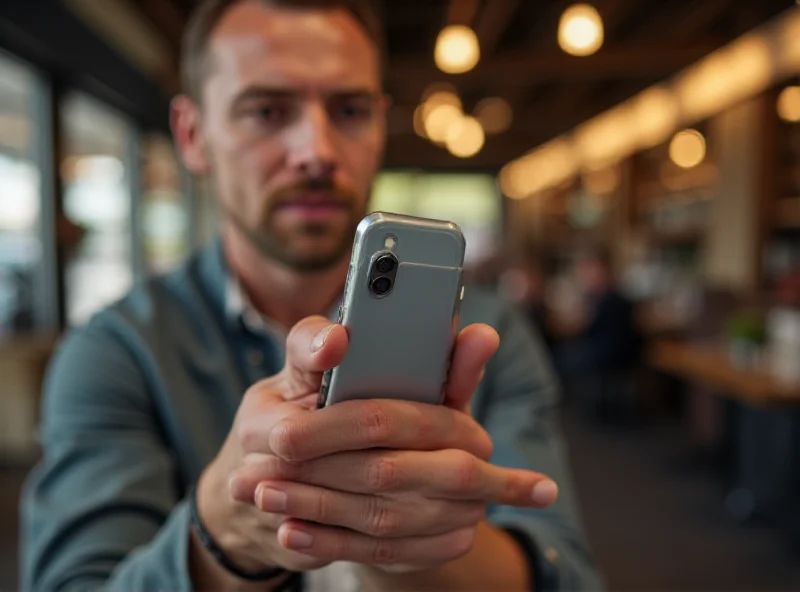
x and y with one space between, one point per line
311 49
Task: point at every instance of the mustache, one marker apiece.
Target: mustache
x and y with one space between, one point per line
334 192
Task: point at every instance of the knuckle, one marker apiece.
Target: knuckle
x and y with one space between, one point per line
382 474
381 520
283 439
375 422
467 471
384 551
247 435
324 505
426 428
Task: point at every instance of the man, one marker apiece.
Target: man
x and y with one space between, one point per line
181 448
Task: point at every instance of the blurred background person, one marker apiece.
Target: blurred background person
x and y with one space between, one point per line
603 340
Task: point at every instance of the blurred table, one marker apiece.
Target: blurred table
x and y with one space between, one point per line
710 365
763 426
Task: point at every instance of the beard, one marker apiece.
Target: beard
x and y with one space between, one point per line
307 246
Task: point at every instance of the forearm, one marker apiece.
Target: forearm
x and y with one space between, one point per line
495 563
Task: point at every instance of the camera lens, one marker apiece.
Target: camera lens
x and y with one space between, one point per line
385 264
381 286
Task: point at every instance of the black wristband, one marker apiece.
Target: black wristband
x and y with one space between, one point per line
211 546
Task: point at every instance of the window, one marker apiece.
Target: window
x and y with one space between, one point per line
20 200
165 221
470 200
97 199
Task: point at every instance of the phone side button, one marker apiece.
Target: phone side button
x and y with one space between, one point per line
323 389
323 396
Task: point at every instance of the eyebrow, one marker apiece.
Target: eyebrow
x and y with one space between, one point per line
252 93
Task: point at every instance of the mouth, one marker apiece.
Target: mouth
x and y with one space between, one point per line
313 206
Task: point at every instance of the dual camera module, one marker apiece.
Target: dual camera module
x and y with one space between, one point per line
382 274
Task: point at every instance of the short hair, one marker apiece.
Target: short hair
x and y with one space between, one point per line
208 13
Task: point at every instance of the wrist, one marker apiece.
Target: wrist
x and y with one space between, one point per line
218 524
216 511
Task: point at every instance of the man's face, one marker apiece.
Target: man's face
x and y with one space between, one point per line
292 128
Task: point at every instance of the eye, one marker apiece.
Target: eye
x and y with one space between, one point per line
271 113
352 111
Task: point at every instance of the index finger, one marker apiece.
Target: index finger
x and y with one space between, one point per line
378 423
443 474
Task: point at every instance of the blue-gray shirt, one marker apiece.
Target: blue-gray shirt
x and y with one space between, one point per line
139 401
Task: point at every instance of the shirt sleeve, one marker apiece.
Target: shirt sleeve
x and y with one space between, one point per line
102 509
519 408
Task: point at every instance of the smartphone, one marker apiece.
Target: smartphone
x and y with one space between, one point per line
400 308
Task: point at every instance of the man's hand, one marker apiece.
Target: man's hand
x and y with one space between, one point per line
388 483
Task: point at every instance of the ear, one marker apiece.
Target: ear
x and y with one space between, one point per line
185 121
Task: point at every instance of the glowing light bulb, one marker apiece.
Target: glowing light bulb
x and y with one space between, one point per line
457 49
687 148
789 104
580 30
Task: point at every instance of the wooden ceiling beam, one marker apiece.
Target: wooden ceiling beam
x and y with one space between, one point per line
492 22
679 22
461 12
409 151
614 14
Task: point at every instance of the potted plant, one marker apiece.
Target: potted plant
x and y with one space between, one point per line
747 334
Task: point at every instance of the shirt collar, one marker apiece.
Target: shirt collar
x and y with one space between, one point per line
239 308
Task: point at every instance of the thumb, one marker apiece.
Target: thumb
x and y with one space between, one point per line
474 347
313 346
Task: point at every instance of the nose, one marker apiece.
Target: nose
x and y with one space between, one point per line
311 143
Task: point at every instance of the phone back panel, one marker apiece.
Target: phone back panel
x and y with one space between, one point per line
400 344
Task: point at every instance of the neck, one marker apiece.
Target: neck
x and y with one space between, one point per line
285 295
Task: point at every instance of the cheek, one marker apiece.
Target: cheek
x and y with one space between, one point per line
364 159
249 169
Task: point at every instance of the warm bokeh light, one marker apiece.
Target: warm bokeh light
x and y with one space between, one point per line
495 115
437 87
655 116
602 141
439 121
724 78
789 104
442 97
544 167
687 148
435 96
457 49
740 70
465 137
419 121
580 30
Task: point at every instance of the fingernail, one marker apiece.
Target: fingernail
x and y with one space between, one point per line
545 492
299 539
320 338
271 500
